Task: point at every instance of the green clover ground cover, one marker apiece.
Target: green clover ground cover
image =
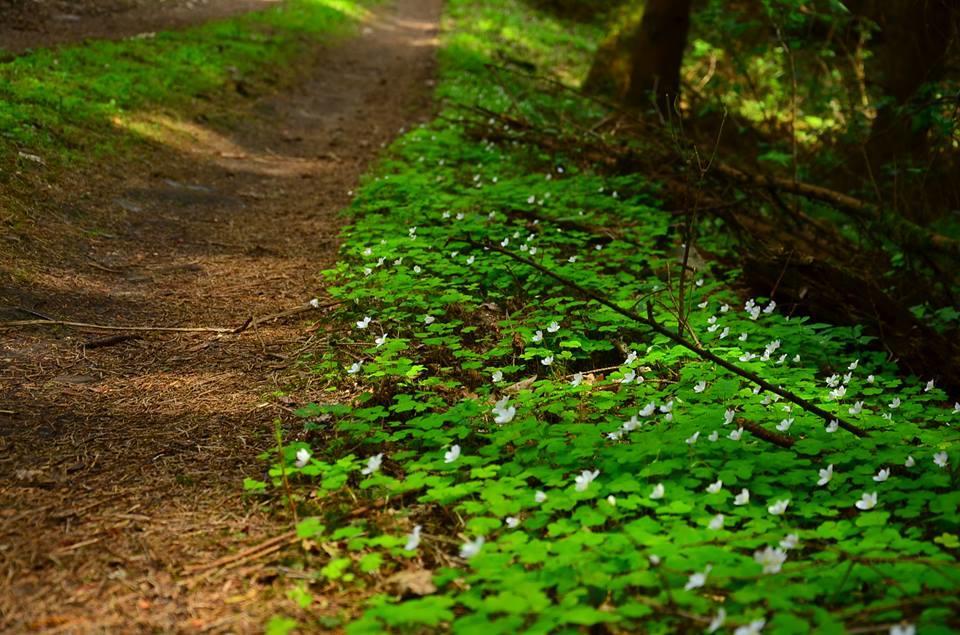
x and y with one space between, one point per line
62 102
553 463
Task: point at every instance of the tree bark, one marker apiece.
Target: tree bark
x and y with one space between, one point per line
657 54
909 49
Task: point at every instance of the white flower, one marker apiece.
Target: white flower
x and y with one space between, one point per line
736 434
870 379
790 541
667 407
903 629
728 416
747 357
497 376
770 308
771 559
540 496
838 393
782 358
503 412
796 358
753 628
413 539
577 379
504 242
697 580
572 259
856 408
725 332
364 323
785 424
648 410
417 269
716 523
612 500
380 341
553 327
717 622
631 357
882 475
314 303
724 308
632 424
303 456
713 488
693 438
628 376
367 271
537 337
713 436
910 462
895 403
867 501
743 337
658 491
833 426
833 380
471 548
429 319
779 507
941 459
471 260
825 475
853 365
355 368
654 559
700 387
928 387
373 464
586 477
704 304
742 498
847 377
956 408
452 454
512 522
547 361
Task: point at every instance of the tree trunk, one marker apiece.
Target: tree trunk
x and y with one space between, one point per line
909 50
657 54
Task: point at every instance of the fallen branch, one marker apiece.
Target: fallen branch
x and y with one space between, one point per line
264 548
655 326
908 234
250 322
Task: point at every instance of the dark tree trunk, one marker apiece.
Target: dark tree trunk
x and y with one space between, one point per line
909 50
657 54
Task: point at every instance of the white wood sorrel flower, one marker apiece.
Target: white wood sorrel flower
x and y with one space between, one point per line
452 454
303 456
585 478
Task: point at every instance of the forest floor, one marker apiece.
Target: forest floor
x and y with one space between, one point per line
37 23
122 460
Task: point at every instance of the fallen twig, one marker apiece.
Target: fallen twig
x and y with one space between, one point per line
264 548
651 323
169 329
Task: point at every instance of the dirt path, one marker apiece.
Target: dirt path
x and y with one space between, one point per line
121 466
26 24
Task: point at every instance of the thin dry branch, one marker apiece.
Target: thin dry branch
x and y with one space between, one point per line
655 326
250 322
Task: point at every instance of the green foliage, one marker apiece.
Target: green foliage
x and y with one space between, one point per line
67 101
588 476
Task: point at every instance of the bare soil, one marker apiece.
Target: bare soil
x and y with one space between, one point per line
122 461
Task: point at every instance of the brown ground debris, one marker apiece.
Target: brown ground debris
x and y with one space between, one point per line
121 462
